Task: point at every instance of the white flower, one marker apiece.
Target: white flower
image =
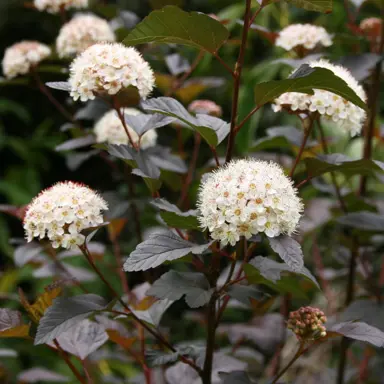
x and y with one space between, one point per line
303 35
207 107
61 212
21 57
81 32
55 6
108 69
110 129
346 115
247 197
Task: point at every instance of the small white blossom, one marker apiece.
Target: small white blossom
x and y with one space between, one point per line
61 212
303 35
346 115
107 69
81 32
55 6
206 107
21 57
247 197
110 129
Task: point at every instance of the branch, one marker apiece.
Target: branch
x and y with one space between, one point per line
237 78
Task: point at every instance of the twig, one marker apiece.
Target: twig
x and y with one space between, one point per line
374 97
119 264
120 113
191 170
134 208
237 79
300 351
211 328
158 336
224 64
350 296
333 176
246 118
69 363
179 82
302 147
44 90
255 15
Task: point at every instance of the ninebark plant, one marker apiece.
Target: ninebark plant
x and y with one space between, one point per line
234 257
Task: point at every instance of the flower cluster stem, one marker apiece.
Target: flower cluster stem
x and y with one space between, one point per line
299 352
237 80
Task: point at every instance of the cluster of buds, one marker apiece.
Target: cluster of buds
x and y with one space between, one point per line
307 323
206 107
371 28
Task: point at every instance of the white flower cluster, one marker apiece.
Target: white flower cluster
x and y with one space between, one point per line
207 107
108 69
55 6
81 32
61 212
21 57
305 35
346 115
110 129
247 197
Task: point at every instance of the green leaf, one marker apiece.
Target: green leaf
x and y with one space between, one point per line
364 220
174 285
289 250
212 129
173 25
174 217
324 6
305 80
161 247
359 331
64 313
337 162
278 276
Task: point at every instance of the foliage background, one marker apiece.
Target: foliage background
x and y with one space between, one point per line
30 130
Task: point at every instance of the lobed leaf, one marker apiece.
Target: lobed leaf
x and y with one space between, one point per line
174 285
175 218
364 220
359 331
60 85
278 276
66 312
161 247
212 129
289 250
